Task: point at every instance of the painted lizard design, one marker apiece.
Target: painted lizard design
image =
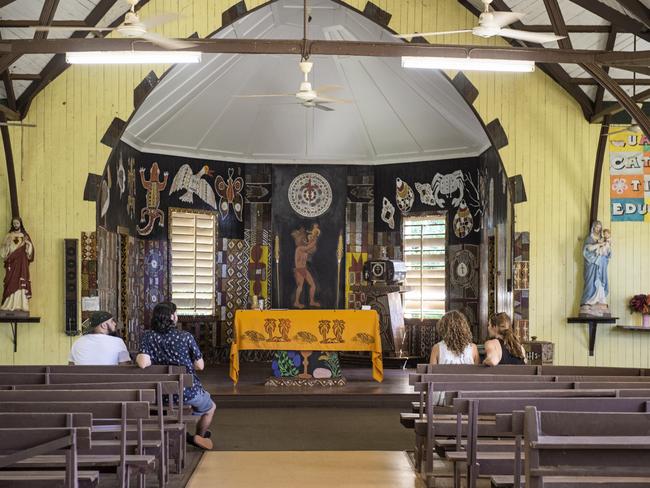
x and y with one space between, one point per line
151 212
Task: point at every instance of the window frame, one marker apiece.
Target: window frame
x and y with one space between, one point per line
214 215
408 314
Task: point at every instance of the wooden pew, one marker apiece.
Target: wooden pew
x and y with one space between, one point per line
77 369
491 464
19 444
117 412
574 447
548 370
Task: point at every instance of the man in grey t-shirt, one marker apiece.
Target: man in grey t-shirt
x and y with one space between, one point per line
100 344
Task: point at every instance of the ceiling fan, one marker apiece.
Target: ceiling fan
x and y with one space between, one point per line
306 95
132 27
492 23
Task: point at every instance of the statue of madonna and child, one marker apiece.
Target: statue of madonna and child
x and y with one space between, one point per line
596 250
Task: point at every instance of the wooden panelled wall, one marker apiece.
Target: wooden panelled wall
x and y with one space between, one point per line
551 145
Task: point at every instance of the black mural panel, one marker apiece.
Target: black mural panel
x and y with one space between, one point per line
494 182
450 185
138 189
308 206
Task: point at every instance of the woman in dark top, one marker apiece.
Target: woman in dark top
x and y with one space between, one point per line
503 346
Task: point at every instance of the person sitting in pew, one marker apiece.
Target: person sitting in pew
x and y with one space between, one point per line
165 344
503 347
456 346
100 345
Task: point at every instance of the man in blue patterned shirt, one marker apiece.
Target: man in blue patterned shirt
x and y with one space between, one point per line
165 344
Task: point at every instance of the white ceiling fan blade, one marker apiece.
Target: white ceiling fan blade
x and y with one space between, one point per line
428 34
266 95
160 19
538 37
500 19
327 88
320 99
166 42
322 107
49 28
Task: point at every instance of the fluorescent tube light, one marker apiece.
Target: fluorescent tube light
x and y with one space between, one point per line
468 64
133 57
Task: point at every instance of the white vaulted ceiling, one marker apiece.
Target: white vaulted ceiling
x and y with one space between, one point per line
397 115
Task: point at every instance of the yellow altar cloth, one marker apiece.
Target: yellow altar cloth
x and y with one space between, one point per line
307 330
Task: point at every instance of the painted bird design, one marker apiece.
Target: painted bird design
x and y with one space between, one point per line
194 184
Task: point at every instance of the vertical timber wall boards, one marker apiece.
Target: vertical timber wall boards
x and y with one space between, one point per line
551 146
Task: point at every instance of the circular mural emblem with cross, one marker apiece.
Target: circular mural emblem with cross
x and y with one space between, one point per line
310 195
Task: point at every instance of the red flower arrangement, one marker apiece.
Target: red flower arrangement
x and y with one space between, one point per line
640 304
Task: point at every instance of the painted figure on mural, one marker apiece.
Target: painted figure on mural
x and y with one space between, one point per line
597 251
305 247
17 251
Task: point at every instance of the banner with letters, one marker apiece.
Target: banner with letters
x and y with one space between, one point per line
629 169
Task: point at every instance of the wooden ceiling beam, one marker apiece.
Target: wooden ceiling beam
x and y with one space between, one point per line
574 29
46 17
331 48
620 81
4 3
554 71
600 91
25 76
638 10
616 107
22 24
57 64
618 19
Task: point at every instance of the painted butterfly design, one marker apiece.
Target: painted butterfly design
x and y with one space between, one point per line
229 192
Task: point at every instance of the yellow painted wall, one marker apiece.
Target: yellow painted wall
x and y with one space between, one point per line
551 145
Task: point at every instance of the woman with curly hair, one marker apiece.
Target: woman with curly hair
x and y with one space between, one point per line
456 346
503 346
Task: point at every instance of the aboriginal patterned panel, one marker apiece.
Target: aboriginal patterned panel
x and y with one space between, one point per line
88 268
107 269
521 284
309 221
451 185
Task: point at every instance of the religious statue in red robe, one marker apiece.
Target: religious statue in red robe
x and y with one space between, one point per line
17 251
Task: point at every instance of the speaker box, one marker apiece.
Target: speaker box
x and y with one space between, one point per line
71 287
518 189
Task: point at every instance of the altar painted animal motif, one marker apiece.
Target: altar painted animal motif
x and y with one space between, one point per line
151 212
194 184
229 192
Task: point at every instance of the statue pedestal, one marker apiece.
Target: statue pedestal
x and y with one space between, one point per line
597 310
593 323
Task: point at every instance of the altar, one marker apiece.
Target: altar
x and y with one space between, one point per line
307 330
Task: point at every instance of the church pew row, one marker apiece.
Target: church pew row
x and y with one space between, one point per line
107 383
78 369
118 412
175 421
452 383
176 429
565 449
548 370
44 436
502 463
